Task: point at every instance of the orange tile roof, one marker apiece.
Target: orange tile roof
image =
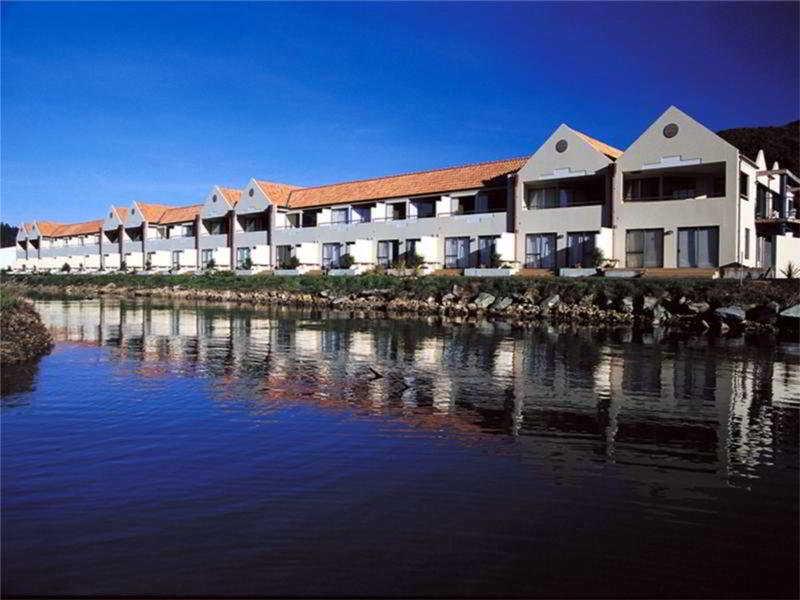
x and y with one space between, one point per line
231 195
408 184
601 147
152 212
48 228
180 214
278 193
121 212
69 229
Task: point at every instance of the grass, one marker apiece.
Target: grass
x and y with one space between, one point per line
716 292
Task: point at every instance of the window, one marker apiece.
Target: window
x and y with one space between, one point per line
309 218
397 211
206 256
463 205
643 189
747 243
718 187
284 253
340 216
217 226
135 235
698 247
644 248
486 251
293 220
426 207
387 252
580 249
540 251
411 248
176 259
744 186
456 253
255 223
331 253
678 188
362 214
242 257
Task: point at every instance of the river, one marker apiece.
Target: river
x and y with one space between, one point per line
185 449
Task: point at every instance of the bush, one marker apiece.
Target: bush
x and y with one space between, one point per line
123 266
211 264
414 260
346 261
290 263
790 272
247 264
65 268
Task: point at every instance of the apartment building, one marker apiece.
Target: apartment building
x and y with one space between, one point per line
679 197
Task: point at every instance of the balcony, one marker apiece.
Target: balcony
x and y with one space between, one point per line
678 183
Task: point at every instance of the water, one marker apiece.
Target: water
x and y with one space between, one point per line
189 450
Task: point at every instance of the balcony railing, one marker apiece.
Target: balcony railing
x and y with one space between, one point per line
572 204
675 196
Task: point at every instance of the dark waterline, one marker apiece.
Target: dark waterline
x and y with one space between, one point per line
193 450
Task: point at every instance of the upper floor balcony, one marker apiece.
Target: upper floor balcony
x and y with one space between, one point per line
699 181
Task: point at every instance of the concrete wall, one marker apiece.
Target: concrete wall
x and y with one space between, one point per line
787 250
693 144
8 257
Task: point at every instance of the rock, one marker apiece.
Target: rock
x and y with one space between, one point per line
698 308
730 314
448 298
627 304
339 301
484 300
588 299
660 313
793 312
551 302
723 328
502 304
766 313
325 294
649 302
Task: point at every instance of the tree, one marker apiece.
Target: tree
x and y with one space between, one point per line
8 235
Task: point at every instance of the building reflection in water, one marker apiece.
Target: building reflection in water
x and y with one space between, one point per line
639 402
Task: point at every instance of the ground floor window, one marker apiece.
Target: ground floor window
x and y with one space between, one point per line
763 252
284 254
487 248
698 247
206 257
644 248
331 254
176 259
387 252
456 253
580 248
540 251
747 243
243 258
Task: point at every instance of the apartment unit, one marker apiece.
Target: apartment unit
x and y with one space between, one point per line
679 197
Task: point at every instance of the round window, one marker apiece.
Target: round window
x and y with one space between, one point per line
561 145
110 215
214 198
671 130
251 192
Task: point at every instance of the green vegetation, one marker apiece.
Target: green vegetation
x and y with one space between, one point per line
715 292
781 143
24 336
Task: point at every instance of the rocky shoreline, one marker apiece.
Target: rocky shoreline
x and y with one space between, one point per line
24 336
674 311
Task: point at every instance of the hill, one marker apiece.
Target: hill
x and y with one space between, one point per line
781 143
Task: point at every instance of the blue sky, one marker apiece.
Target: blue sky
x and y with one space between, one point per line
109 103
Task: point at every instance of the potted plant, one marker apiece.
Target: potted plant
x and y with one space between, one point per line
65 268
290 263
247 264
346 261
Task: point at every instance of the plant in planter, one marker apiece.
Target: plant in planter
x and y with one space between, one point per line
247 264
211 265
791 271
148 264
598 258
123 266
290 263
496 260
65 268
414 260
346 261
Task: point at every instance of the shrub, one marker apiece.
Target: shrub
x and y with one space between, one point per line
211 265
346 261
414 260
598 257
290 263
791 271
148 264
123 266
247 264
65 268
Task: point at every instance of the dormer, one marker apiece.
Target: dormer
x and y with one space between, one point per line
258 195
114 217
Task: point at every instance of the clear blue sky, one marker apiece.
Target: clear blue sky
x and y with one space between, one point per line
110 103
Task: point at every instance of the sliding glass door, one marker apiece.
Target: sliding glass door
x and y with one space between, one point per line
644 248
540 251
456 253
580 249
698 247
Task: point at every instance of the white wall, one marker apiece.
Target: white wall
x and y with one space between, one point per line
7 257
787 249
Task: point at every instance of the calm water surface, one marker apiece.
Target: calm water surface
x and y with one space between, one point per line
183 449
